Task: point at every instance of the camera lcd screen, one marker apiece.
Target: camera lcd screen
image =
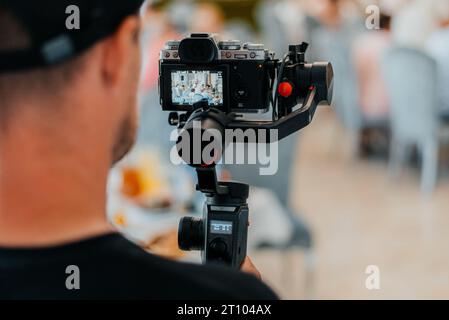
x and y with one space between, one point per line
220 227
191 86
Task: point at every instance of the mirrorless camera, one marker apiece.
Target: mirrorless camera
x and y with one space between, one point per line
232 76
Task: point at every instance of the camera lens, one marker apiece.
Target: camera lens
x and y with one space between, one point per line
194 50
191 234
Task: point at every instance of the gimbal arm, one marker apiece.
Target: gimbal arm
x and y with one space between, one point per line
286 125
207 177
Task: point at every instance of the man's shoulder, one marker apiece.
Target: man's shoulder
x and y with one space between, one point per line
176 280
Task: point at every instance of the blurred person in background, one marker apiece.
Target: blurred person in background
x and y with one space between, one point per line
438 48
158 29
208 17
281 23
414 23
367 52
180 13
63 123
333 25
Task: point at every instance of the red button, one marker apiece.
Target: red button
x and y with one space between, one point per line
285 89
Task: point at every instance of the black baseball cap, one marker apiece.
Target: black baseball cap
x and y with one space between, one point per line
52 42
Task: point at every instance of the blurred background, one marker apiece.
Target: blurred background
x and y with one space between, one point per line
365 187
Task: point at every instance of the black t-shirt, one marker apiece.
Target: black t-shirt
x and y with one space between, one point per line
111 267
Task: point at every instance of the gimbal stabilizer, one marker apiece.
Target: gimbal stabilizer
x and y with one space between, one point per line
222 233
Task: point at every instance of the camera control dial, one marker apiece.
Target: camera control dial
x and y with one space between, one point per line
230 45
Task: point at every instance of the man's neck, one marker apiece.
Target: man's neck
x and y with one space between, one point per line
50 193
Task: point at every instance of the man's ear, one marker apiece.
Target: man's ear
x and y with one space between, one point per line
120 49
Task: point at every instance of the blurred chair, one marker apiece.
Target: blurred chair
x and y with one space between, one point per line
411 77
279 184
